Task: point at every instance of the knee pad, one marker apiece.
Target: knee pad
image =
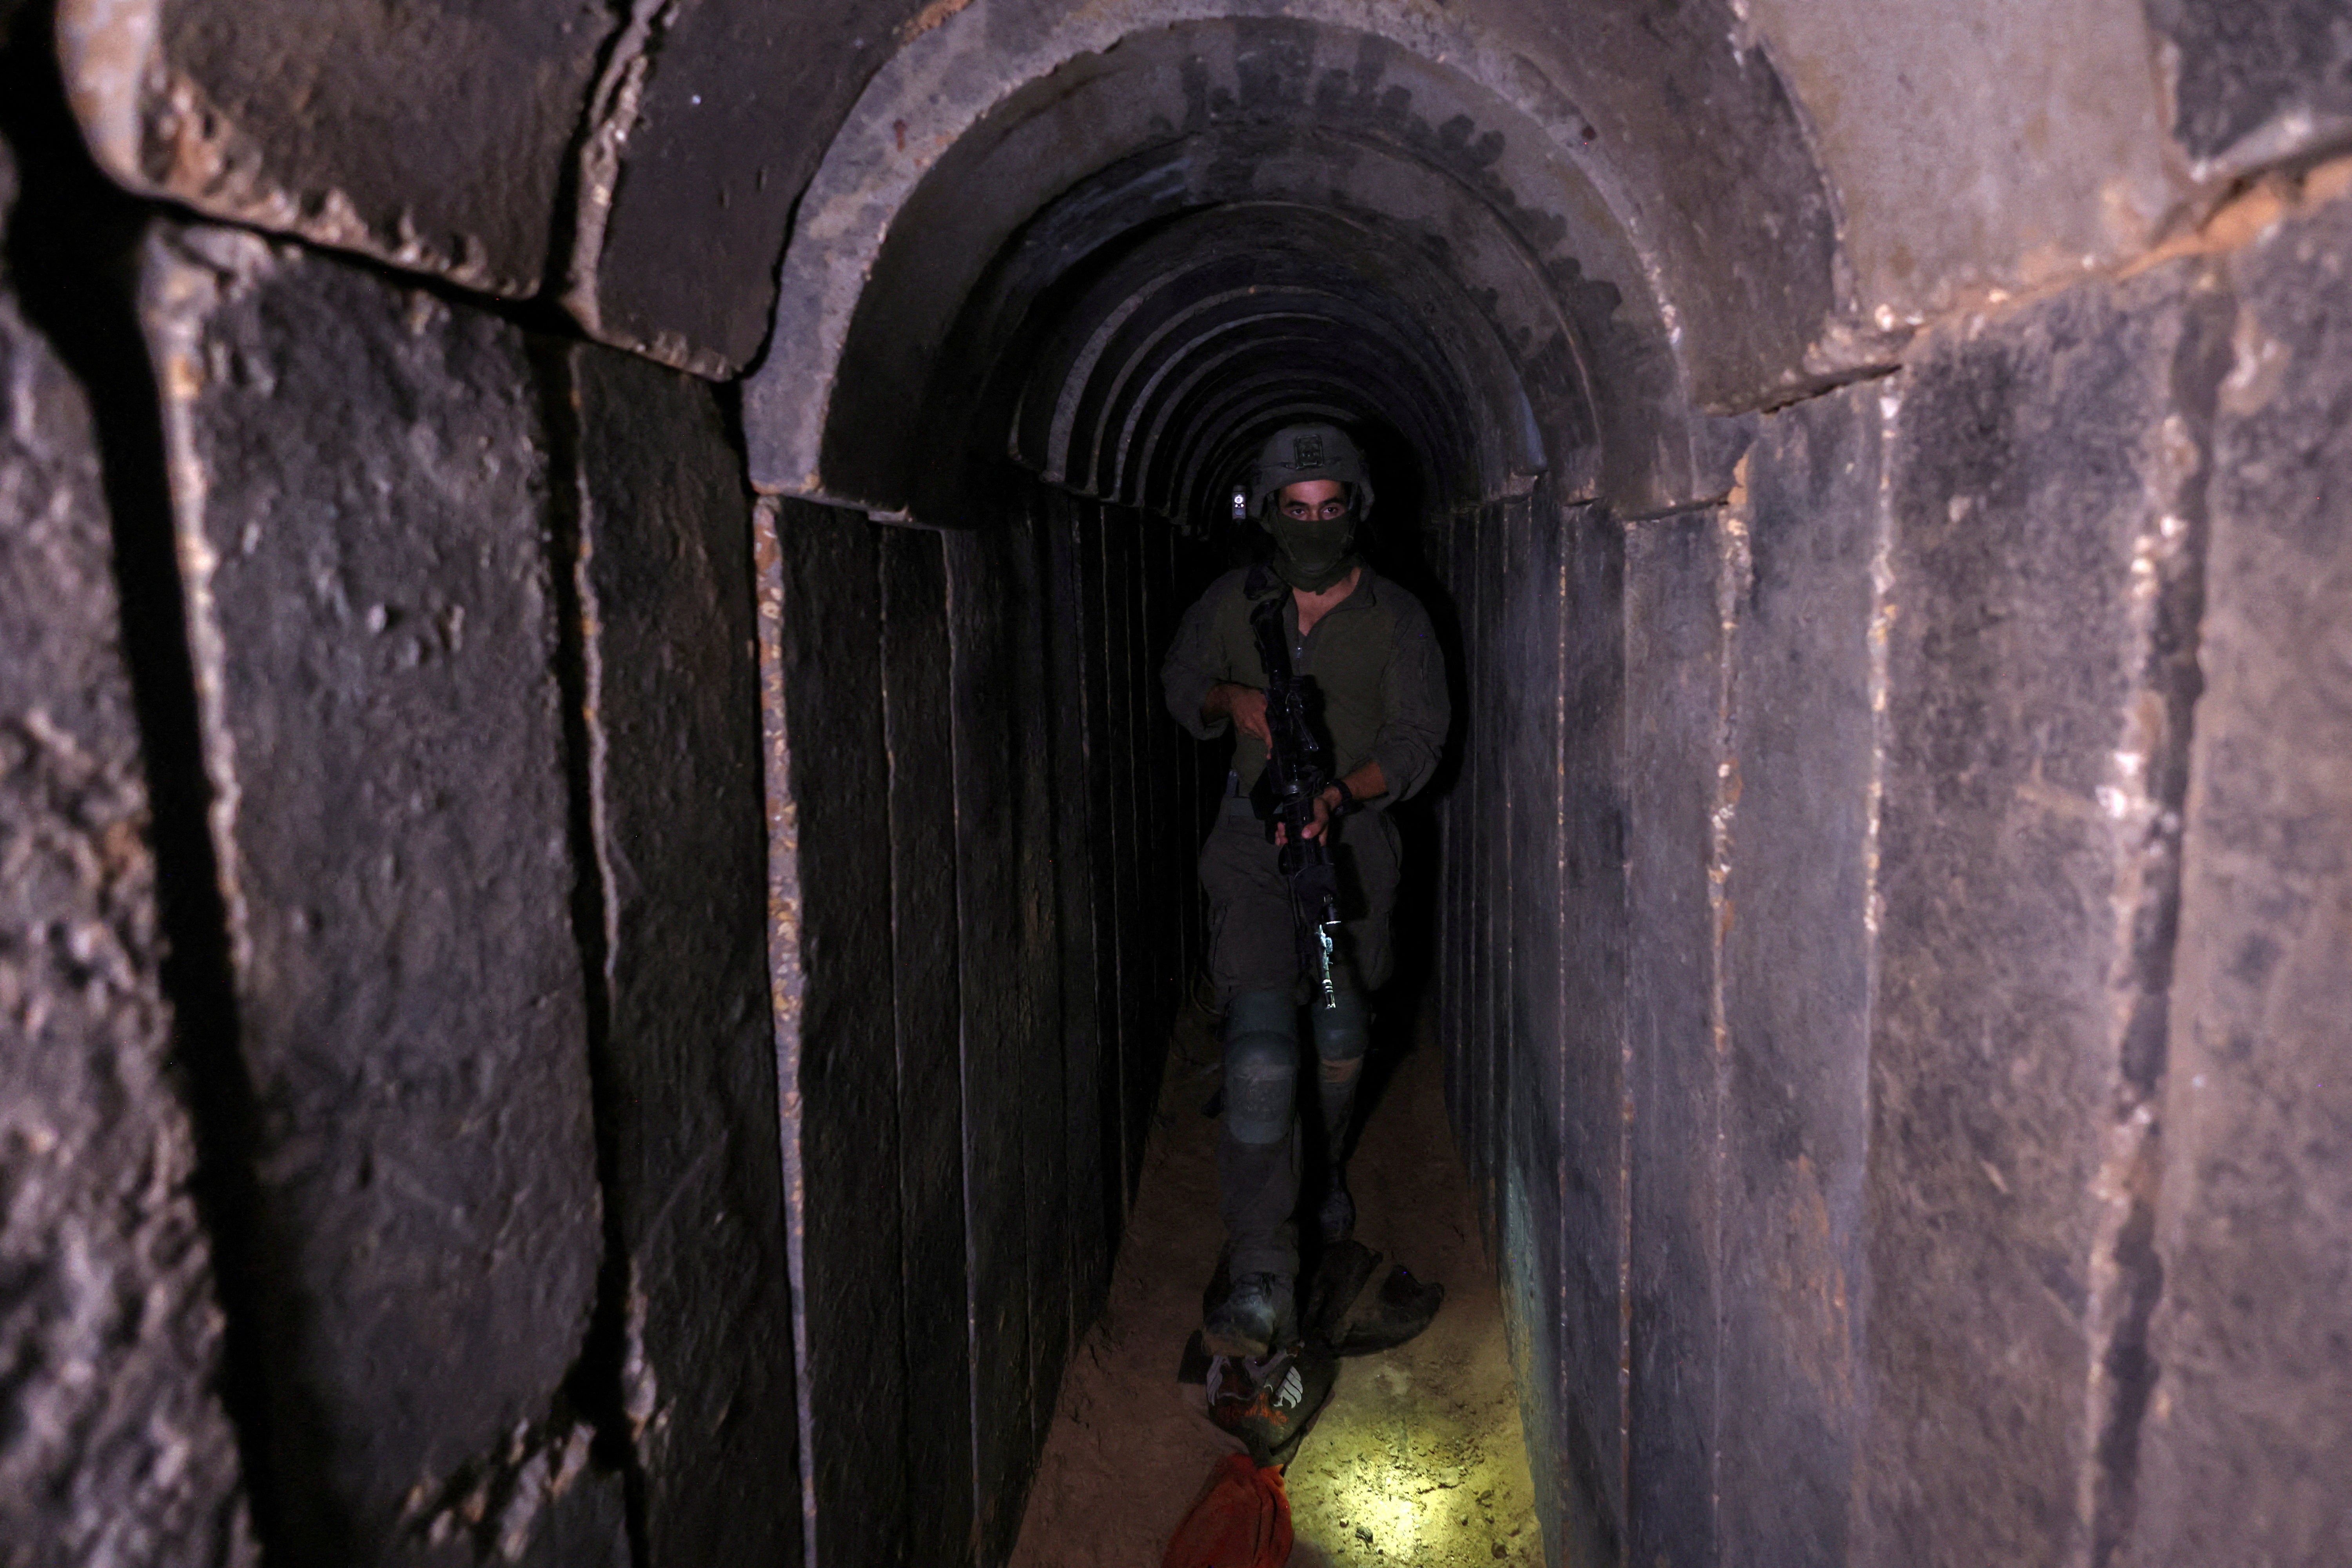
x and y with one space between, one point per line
1260 1066
1342 1034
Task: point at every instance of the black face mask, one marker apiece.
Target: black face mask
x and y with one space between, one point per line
1312 553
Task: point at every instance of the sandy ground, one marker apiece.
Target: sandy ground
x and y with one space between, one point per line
1418 1457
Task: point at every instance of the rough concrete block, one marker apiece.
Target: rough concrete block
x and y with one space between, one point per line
730 107
1088 628
429 133
1092 1131
829 809
1029 915
114 1446
2254 80
1478 1078
1557 724
1523 1110
687 1057
1126 668
362 504
925 942
1000 1078
2242 1455
2042 555
1802 750
1591 1089
1673 712
2032 145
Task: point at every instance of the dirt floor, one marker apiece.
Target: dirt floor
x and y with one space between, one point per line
1417 1459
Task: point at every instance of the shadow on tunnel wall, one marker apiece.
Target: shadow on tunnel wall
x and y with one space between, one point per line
977 780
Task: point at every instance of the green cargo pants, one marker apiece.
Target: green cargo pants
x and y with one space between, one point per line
1253 964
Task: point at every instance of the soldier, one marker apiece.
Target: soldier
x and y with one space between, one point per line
1366 645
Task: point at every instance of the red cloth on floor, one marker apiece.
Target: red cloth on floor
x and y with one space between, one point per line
1242 1521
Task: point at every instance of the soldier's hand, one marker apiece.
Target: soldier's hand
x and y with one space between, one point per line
1245 706
1322 823
1315 830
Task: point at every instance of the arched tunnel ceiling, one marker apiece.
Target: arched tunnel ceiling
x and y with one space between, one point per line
1611 302
1213 321
1135 325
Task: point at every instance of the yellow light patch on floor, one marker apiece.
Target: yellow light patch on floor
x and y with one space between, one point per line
1396 1474
1418 1459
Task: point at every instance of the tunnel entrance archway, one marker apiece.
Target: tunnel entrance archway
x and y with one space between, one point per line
1043 301
1464 147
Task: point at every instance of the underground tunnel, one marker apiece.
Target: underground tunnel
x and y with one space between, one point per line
602 947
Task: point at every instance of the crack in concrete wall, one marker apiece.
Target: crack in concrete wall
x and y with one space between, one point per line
613 109
614 1338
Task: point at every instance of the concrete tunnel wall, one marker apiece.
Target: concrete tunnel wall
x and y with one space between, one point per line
1892 904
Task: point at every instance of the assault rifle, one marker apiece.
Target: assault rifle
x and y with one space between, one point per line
1296 773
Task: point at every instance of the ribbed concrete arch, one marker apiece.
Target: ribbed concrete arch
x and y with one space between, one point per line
1152 366
1138 363
1467 142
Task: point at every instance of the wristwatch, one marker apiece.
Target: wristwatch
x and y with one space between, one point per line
1348 801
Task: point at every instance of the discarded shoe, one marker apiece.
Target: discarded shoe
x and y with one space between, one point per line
1256 1316
1270 1398
1269 1403
1401 1310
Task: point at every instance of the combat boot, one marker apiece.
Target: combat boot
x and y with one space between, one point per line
1258 1313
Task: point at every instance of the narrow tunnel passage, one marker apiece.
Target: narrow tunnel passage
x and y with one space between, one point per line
1133 396
491 489
1051 377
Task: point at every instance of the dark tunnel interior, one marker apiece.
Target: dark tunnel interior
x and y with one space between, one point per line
599 902
1097 341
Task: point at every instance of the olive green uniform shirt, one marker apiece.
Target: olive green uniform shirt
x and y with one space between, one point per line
1375 663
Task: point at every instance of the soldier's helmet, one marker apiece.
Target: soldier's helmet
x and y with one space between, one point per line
1297 453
